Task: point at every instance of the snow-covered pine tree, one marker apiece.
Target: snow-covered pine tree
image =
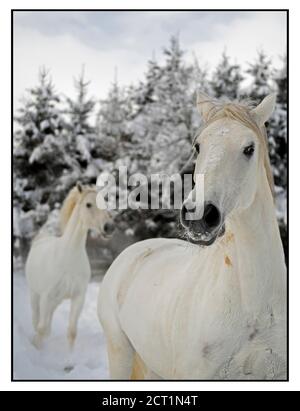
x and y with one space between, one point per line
261 84
281 81
201 78
278 148
82 138
266 80
175 92
111 122
261 74
79 111
226 79
141 98
163 126
145 92
115 147
39 155
278 128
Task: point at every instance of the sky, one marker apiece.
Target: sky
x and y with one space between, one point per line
107 43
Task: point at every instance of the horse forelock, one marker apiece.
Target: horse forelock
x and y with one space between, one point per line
242 112
74 197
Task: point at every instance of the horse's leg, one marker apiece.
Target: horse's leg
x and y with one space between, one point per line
119 349
76 308
44 324
35 308
120 357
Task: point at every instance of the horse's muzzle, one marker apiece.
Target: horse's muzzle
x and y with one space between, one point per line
203 231
108 229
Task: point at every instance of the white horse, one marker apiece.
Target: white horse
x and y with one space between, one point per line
58 268
213 307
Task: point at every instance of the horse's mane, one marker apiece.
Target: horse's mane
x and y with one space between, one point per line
241 111
73 198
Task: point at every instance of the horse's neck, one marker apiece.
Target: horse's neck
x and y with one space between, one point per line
259 252
75 233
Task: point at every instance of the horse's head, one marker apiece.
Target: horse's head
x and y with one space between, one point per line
231 148
90 215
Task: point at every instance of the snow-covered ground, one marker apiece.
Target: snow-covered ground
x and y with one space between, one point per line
54 361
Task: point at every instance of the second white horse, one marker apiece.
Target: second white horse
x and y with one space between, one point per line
58 268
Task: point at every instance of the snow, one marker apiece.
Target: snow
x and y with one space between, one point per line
55 361
281 206
44 124
83 147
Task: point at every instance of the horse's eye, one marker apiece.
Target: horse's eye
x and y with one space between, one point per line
197 147
89 205
249 150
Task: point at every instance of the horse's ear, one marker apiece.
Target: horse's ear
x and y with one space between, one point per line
204 105
79 186
264 110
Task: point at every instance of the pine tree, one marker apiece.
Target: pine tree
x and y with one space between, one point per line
226 79
39 143
261 73
266 80
79 129
278 129
142 98
164 125
278 149
201 80
145 92
40 156
111 122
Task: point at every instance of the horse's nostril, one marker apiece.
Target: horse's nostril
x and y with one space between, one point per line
109 228
211 216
